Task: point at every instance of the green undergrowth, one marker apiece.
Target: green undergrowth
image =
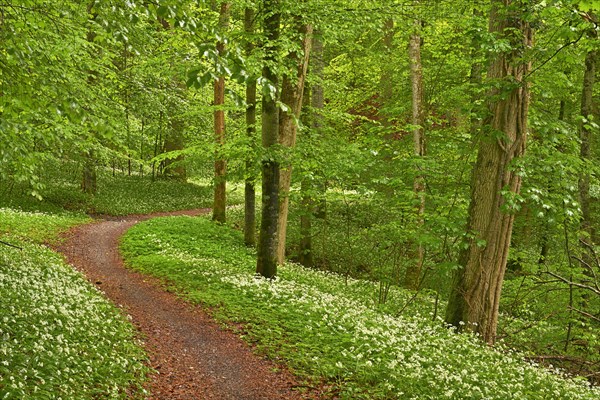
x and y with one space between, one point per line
59 337
329 327
37 226
116 195
123 195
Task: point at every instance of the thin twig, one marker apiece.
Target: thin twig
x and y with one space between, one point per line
561 48
10 245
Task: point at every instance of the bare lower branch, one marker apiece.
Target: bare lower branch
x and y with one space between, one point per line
585 314
576 284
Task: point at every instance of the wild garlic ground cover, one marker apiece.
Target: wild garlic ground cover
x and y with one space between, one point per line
117 195
326 326
124 195
36 226
59 337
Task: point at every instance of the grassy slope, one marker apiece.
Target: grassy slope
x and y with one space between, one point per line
59 337
326 327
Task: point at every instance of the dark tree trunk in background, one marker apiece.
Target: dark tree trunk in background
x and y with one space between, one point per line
220 190
249 191
317 102
174 141
173 137
475 295
307 203
313 190
545 239
88 183
266 264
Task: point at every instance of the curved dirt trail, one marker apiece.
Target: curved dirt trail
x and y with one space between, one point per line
194 357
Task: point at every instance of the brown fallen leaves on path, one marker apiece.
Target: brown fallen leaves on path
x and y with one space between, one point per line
195 358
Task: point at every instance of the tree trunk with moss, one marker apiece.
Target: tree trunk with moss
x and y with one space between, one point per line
266 264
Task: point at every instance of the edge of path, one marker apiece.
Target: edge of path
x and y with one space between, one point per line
195 358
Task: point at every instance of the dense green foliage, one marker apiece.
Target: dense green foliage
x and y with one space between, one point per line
330 327
123 88
60 338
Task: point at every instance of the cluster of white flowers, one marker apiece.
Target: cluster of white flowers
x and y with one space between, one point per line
11 212
59 337
337 331
37 226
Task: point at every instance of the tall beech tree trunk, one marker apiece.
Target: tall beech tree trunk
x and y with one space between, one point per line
317 102
220 199
313 96
413 272
477 286
291 95
249 191
266 264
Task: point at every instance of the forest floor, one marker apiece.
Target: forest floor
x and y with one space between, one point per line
195 357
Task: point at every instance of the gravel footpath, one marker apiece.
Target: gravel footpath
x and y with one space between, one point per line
195 358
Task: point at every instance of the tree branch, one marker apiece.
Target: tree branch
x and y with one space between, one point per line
576 284
561 48
10 245
585 314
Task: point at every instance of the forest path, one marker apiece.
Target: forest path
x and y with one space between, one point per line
194 357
